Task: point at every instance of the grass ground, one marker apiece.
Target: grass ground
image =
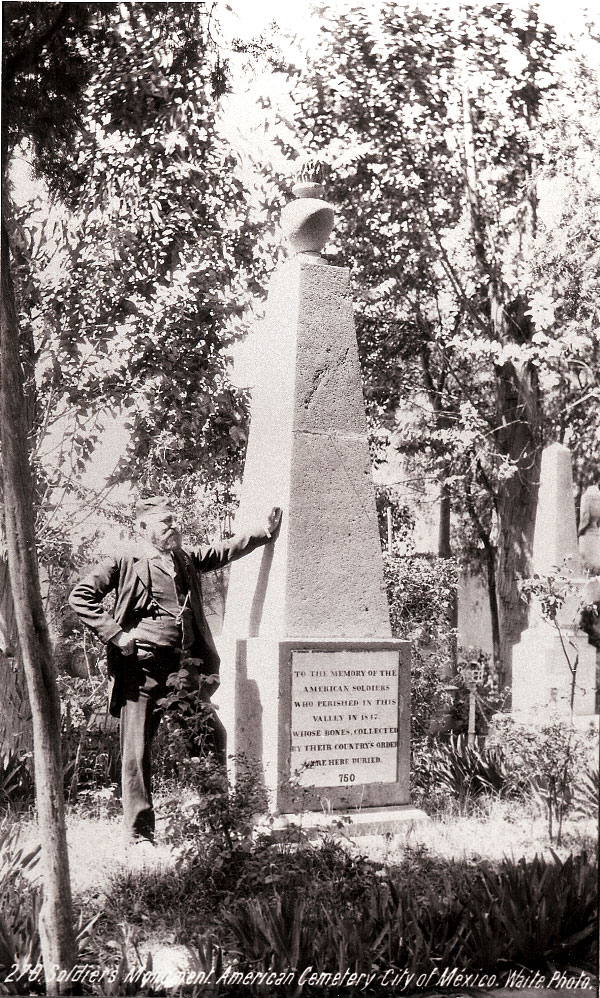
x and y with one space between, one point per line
496 828
144 898
500 828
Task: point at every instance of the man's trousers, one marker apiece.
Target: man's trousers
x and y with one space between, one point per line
146 684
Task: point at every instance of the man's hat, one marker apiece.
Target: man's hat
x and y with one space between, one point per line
152 504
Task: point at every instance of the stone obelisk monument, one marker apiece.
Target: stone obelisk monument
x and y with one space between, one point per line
541 675
319 698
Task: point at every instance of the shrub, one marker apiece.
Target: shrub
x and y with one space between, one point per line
16 779
457 771
215 815
209 882
541 910
551 753
586 795
421 593
211 826
324 905
89 739
188 730
429 912
432 695
19 910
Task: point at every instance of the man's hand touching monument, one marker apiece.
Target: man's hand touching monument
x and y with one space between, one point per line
273 520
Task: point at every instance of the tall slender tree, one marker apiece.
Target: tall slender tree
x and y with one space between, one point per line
43 76
110 104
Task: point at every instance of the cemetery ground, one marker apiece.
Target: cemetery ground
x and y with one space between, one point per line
481 888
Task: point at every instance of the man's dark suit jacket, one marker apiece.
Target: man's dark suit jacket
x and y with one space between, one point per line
128 575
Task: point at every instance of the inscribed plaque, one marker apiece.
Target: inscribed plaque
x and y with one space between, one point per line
344 717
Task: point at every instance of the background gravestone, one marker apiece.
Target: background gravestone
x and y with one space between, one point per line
541 675
589 529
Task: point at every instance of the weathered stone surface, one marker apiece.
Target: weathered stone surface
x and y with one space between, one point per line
541 676
555 538
541 673
355 824
262 712
318 591
308 451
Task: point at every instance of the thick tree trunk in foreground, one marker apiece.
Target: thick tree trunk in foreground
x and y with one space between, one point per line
56 919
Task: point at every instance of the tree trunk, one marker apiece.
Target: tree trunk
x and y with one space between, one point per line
490 565
56 917
444 548
15 722
445 551
518 436
518 412
490 560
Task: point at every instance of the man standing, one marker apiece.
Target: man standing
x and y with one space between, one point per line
157 629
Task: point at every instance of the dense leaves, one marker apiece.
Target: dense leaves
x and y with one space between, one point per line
134 295
476 283
45 67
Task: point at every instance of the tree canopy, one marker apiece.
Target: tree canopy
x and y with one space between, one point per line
463 145
133 287
477 290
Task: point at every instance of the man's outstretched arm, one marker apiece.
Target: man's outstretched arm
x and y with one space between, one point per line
212 556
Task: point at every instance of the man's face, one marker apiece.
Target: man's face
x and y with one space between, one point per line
161 530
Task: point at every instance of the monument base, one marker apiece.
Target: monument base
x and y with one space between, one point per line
351 824
326 722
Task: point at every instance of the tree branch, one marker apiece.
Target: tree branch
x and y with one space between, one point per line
29 53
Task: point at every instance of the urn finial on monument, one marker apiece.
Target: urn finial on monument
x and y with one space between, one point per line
308 220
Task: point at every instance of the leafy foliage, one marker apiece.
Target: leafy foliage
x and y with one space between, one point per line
19 907
16 778
545 908
135 287
462 771
421 915
551 751
277 902
448 133
586 794
421 592
90 744
45 71
131 291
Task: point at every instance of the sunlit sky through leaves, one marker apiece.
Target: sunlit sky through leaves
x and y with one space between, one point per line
253 17
299 20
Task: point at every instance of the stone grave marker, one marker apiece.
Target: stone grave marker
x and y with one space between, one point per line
541 675
319 699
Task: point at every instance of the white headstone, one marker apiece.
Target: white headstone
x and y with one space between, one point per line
555 536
